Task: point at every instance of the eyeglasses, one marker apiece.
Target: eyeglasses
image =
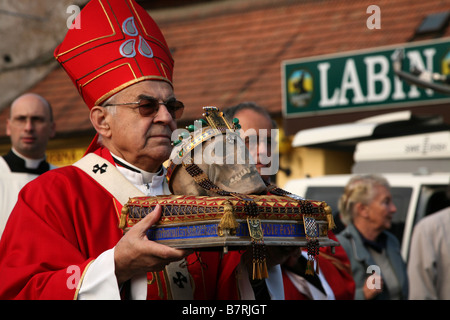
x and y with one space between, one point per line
149 107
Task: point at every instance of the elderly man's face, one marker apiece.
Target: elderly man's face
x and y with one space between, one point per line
142 141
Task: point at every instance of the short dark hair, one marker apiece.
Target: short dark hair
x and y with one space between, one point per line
230 112
45 101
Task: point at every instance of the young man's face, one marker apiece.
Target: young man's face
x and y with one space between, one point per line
30 126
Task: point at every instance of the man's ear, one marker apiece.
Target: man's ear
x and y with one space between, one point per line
52 130
8 127
100 120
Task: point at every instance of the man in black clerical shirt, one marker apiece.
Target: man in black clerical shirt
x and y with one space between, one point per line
30 125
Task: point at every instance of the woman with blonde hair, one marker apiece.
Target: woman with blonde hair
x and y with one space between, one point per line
366 208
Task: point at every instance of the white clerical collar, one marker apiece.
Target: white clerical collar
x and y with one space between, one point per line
150 183
29 163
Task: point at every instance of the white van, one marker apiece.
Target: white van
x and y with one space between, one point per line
417 168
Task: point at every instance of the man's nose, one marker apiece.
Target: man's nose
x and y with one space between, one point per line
29 125
163 115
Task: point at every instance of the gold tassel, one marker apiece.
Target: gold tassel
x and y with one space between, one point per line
256 270
309 267
123 217
264 272
258 249
260 269
330 219
228 221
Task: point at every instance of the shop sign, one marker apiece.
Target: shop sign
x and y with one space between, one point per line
361 80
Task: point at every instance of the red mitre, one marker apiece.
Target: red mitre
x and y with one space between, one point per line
116 45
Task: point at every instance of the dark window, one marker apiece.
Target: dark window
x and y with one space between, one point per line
401 197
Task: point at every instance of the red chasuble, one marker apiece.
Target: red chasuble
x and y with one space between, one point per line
62 221
336 270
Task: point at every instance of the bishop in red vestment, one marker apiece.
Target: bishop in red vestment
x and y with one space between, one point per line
62 240
62 222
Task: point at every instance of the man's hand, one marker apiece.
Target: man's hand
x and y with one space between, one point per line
135 254
281 254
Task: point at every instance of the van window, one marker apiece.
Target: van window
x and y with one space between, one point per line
438 201
331 196
431 199
401 197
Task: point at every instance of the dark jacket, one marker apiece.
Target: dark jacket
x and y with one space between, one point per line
361 259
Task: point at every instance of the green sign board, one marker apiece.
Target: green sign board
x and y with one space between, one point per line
359 80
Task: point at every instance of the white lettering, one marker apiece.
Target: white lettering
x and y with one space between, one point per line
380 85
350 81
192 310
373 281
324 100
399 94
229 148
415 59
267 156
373 78
73 21
374 21
72 281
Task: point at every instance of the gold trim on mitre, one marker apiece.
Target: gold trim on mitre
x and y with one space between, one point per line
127 84
109 70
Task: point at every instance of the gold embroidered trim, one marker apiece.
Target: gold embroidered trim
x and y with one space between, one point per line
75 296
127 84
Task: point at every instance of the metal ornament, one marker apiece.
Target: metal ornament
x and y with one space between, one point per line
311 233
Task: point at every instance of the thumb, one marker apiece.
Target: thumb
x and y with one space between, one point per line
149 220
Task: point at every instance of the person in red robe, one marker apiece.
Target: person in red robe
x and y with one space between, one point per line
62 222
62 240
335 280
